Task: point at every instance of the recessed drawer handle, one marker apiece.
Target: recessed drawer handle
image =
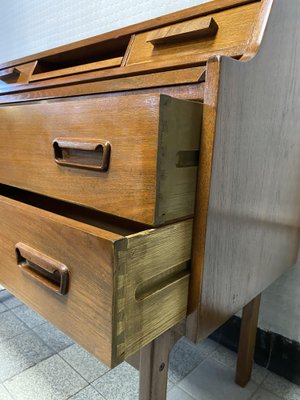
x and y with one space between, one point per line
90 154
9 73
198 29
47 271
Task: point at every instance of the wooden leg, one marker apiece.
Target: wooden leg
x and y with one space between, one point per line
247 342
154 360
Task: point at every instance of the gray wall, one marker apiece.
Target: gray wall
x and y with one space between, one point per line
30 26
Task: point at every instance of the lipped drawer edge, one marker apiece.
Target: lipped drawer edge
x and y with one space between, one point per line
119 292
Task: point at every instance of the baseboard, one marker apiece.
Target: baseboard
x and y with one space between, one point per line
274 352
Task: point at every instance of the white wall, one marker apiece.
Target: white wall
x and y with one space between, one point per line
30 26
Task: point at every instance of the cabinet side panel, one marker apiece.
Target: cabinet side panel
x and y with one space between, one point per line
253 226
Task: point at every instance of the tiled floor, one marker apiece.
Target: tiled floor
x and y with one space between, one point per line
37 362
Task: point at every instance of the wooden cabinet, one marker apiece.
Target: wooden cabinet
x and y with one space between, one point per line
151 175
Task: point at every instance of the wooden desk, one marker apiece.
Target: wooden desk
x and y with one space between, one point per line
150 179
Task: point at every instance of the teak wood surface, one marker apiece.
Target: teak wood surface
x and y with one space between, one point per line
234 29
245 232
124 44
252 230
123 291
152 171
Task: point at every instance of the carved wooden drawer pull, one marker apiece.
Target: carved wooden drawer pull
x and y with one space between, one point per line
90 154
47 271
9 73
187 31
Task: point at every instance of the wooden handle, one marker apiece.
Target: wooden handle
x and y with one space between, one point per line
90 154
47 271
195 29
9 73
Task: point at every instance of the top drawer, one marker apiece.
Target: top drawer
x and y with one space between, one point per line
134 156
225 33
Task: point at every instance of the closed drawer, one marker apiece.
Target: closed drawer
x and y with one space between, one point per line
133 155
112 290
226 33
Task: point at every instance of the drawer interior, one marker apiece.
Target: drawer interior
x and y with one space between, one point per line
86 215
94 57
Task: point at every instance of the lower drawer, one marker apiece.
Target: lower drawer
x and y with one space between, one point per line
110 288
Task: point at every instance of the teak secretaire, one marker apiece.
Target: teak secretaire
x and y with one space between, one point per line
150 175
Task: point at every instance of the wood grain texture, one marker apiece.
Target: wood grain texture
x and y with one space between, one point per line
210 110
45 270
152 284
109 73
154 359
191 55
151 80
109 63
123 292
143 120
85 314
194 29
178 158
235 27
253 228
247 342
18 76
200 10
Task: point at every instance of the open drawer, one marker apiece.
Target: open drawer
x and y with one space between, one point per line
130 155
111 288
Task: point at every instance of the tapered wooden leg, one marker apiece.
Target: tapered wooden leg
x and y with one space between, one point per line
154 360
247 342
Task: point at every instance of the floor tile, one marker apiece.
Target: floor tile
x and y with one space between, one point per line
53 337
20 353
121 383
178 394
263 394
258 374
184 358
225 356
88 393
52 379
281 387
2 308
84 363
4 395
207 347
9 300
214 381
28 316
10 326
229 359
170 385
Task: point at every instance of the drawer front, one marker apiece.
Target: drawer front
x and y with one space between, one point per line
226 33
115 153
111 293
